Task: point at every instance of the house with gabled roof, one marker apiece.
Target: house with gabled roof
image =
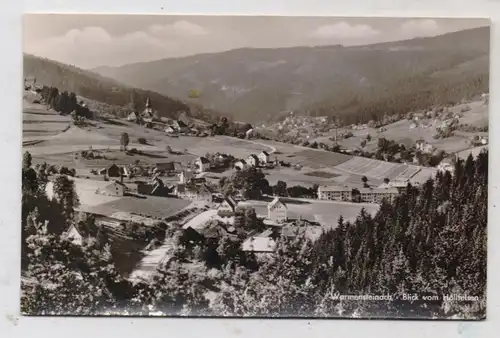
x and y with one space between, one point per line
277 211
202 164
240 165
227 206
115 188
252 160
132 117
264 157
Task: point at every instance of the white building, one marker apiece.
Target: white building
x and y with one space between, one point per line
132 117
334 193
242 164
277 211
252 160
264 157
113 189
202 164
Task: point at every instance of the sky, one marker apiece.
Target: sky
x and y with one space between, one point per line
89 41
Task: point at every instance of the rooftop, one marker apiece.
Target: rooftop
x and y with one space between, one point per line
259 244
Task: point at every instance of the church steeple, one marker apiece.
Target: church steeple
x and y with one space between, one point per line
148 103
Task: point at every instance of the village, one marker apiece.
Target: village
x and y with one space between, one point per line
204 193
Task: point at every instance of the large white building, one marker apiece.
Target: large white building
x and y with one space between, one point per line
376 195
335 193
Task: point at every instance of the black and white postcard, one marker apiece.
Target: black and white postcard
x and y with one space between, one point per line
254 166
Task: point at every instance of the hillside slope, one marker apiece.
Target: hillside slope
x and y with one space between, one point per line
258 84
120 98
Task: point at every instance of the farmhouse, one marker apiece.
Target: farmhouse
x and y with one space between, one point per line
194 192
113 189
169 130
240 165
424 146
179 126
202 164
252 160
165 166
334 193
376 195
264 157
227 207
132 117
277 211
113 171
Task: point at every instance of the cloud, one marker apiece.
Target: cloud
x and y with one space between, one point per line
419 28
344 31
94 46
182 27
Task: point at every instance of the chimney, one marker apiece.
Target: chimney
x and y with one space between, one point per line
121 177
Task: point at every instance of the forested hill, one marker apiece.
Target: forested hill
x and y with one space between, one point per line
92 86
254 84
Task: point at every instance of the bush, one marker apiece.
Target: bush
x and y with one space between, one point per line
142 140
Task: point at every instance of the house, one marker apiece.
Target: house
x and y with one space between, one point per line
400 185
227 207
169 130
277 211
113 171
195 193
264 157
165 166
185 176
335 193
74 236
202 164
252 160
310 232
180 126
115 188
424 146
259 245
132 117
240 165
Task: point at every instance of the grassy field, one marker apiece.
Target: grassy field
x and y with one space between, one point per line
326 213
401 132
38 122
150 206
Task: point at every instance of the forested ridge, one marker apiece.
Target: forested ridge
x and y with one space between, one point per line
356 82
430 241
116 98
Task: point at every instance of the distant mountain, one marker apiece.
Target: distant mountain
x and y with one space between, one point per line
254 84
104 90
